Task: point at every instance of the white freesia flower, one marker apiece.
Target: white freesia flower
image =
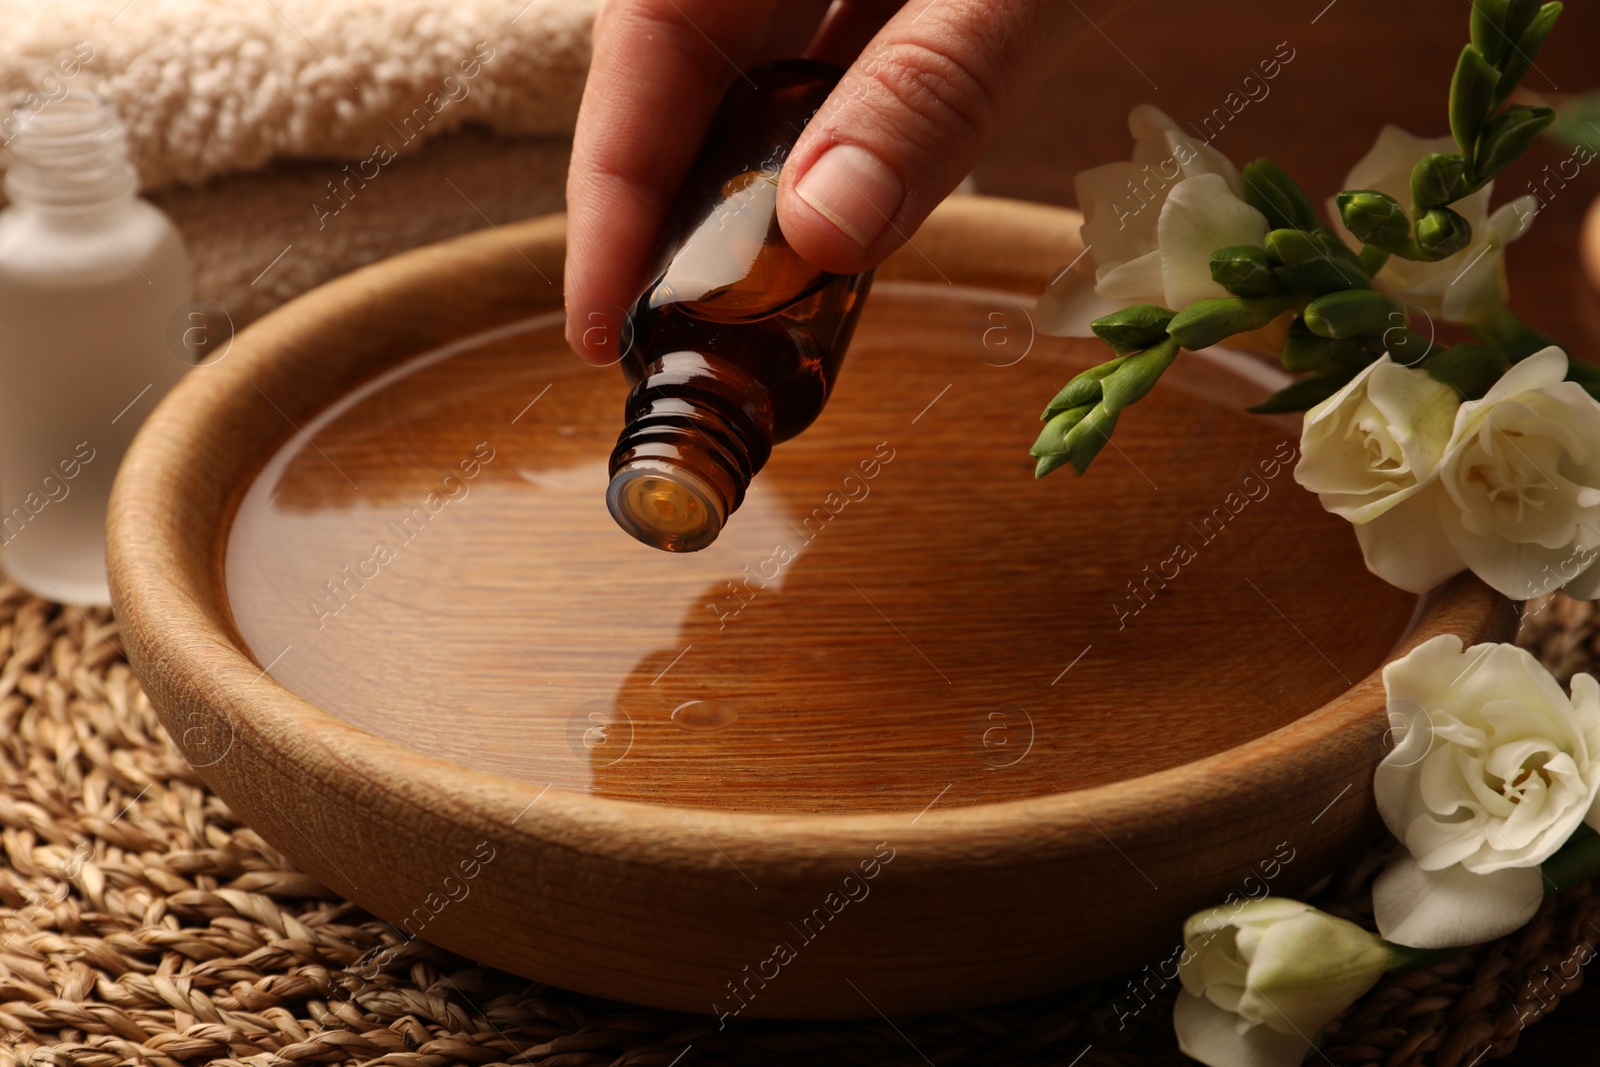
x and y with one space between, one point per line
1376 441
1494 770
1260 980
1522 473
1515 498
1150 226
1468 286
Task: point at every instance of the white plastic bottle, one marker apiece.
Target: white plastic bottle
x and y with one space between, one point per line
89 276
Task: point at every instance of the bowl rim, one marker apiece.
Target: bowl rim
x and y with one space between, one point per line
184 646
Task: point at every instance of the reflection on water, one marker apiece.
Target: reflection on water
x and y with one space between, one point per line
898 612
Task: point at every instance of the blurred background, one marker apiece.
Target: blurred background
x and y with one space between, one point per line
247 119
1358 64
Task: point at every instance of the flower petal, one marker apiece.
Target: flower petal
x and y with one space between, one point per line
1421 679
1165 146
1137 281
1387 165
1510 568
1200 216
1376 441
1544 368
1067 307
1211 1035
1452 908
1420 409
1478 283
1522 471
1407 545
1325 409
1307 970
1512 219
1261 912
1117 224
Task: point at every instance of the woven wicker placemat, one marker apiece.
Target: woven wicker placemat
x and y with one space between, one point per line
143 923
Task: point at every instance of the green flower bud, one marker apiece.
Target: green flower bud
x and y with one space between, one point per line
1375 218
1438 178
1469 369
1323 276
1086 439
1508 136
1244 270
1353 313
1307 246
1269 189
1442 233
1519 15
1406 346
1315 262
1208 322
1077 435
1305 351
1472 99
1291 246
1133 329
1138 375
1529 40
1489 36
1082 391
1051 447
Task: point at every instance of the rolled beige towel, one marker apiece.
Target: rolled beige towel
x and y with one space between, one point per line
295 140
212 87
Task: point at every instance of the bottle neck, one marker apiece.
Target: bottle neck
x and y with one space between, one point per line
69 156
697 430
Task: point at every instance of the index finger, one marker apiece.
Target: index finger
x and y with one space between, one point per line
658 70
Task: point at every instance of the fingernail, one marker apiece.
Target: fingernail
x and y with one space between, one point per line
854 190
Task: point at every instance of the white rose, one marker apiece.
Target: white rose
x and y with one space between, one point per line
1515 497
1494 769
1468 286
1376 441
1261 980
1150 227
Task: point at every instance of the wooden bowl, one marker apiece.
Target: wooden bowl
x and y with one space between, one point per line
916 733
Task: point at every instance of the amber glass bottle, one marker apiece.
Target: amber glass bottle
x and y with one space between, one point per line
736 343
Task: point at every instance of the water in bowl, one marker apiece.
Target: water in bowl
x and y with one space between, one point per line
899 616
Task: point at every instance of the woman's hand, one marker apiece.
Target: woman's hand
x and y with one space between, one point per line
929 83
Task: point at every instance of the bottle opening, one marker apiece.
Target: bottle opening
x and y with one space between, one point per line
71 153
665 506
697 429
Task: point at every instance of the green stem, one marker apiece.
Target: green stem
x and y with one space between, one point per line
1372 259
1504 330
1403 959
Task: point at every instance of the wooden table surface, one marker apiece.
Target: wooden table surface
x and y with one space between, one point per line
1356 64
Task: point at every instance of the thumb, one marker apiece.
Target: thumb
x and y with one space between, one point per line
910 118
